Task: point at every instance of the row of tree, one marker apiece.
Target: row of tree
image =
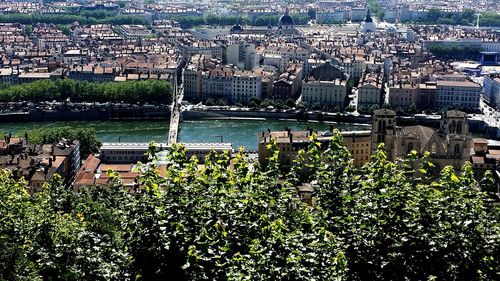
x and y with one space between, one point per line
454 52
490 19
376 8
83 18
212 20
83 91
466 17
89 143
231 221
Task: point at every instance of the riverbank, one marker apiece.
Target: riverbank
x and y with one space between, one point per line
121 112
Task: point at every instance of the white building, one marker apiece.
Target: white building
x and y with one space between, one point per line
134 152
246 85
354 66
210 33
369 94
485 46
463 94
330 16
491 91
368 25
241 55
324 92
370 90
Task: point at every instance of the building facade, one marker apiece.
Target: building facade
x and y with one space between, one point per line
460 94
450 145
491 90
326 85
290 143
370 90
245 86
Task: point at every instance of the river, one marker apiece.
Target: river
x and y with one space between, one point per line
238 132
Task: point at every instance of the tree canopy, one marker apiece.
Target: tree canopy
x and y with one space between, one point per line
85 17
466 17
233 221
89 143
213 20
455 52
83 91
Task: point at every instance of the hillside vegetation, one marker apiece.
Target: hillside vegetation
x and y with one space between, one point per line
237 222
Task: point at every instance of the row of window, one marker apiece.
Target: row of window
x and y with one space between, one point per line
121 152
358 151
126 157
359 145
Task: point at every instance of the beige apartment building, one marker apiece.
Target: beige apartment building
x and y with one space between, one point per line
245 86
370 90
326 85
403 95
290 143
354 66
324 92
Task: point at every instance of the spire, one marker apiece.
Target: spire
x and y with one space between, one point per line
368 16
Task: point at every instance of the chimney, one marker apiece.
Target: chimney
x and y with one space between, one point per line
50 162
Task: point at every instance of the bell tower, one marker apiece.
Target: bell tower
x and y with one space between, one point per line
454 122
383 131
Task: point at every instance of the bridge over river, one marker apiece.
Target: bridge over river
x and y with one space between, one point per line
175 115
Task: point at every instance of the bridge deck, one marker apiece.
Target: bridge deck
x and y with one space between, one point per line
175 115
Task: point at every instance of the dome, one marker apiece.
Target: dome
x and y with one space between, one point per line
286 19
368 25
237 28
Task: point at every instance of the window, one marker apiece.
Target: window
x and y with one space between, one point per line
433 148
459 127
409 148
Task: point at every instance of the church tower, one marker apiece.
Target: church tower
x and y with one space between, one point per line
383 131
455 130
454 122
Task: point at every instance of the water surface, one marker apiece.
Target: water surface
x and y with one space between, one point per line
238 132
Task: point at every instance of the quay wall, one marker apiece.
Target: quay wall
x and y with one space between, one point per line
476 126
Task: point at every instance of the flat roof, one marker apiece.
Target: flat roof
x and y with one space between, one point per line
458 84
493 142
145 145
34 75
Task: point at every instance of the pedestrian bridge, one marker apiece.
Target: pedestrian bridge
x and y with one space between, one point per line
175 114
